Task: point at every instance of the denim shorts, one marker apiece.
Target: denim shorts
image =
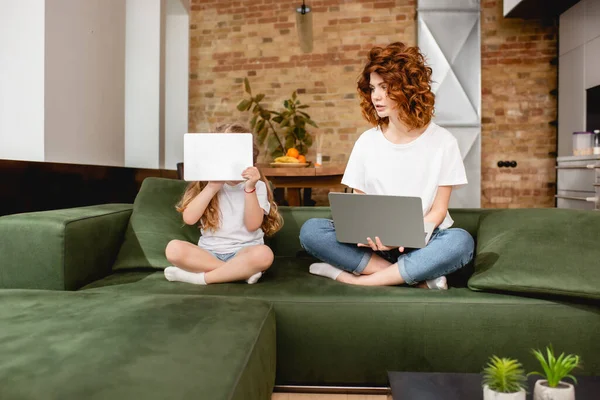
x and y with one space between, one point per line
224 256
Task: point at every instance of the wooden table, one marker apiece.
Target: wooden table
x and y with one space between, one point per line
293 179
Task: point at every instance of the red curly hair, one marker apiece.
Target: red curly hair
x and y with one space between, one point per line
409 84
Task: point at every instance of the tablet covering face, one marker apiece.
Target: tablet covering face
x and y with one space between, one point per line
216 156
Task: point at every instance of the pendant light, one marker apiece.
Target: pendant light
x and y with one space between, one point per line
305 28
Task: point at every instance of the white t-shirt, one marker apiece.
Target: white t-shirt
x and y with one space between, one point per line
417 169
232 234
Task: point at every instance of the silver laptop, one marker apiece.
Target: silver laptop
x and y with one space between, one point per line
396 220
216 156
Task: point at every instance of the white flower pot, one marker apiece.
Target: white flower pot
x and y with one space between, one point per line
564 391
489 394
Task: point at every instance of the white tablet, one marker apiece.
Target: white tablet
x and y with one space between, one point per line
216 156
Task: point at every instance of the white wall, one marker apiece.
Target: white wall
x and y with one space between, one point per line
22 80
142 83
85 80
90 82
176 82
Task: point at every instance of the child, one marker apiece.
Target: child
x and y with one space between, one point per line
233 218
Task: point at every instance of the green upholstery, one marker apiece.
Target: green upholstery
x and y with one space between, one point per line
153 224
128 334
62 249
330 333
548 251
88 345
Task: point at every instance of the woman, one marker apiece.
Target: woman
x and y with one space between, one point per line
405 154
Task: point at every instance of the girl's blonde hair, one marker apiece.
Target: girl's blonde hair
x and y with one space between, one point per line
211 218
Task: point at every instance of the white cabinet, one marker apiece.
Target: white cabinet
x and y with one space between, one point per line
592 63
578 182
571 28
571 99
592 19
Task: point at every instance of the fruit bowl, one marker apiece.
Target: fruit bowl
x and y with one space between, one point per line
289 165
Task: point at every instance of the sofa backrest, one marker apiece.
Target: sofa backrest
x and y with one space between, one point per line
154 222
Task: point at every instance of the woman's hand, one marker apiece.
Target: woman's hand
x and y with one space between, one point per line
251 175
378 246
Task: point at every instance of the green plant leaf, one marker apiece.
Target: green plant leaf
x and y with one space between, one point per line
304 106
277 119
259 97
262 135
299 132
308 139
247 86
311 122
555 368
260 125
302 149
265 114
504 375
243 105
294 95
253 121
286 103
290 142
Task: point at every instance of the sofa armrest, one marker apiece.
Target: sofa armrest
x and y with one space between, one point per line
61 249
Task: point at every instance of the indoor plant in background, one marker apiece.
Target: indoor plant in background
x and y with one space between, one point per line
503 379
554 370
285 131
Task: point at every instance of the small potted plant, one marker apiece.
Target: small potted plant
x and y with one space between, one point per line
555 369
503 379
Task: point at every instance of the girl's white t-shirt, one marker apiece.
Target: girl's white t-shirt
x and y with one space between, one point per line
415 169
232 234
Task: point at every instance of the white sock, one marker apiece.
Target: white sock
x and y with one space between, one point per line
254 278
180 275
326 270
438 283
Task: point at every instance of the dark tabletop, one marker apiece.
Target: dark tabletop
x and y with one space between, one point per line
462 386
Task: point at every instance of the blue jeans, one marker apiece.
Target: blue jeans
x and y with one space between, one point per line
448 250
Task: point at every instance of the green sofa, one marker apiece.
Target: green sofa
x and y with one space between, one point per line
85 300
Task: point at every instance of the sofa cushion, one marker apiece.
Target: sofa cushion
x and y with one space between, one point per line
153 223
552 251
83 345
329 333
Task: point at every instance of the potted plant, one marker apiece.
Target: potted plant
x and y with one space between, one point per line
555 369
286 130
503 379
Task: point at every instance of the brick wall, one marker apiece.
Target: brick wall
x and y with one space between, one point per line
230 40
517 106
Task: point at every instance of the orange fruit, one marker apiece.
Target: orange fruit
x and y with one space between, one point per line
302 158
292 152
